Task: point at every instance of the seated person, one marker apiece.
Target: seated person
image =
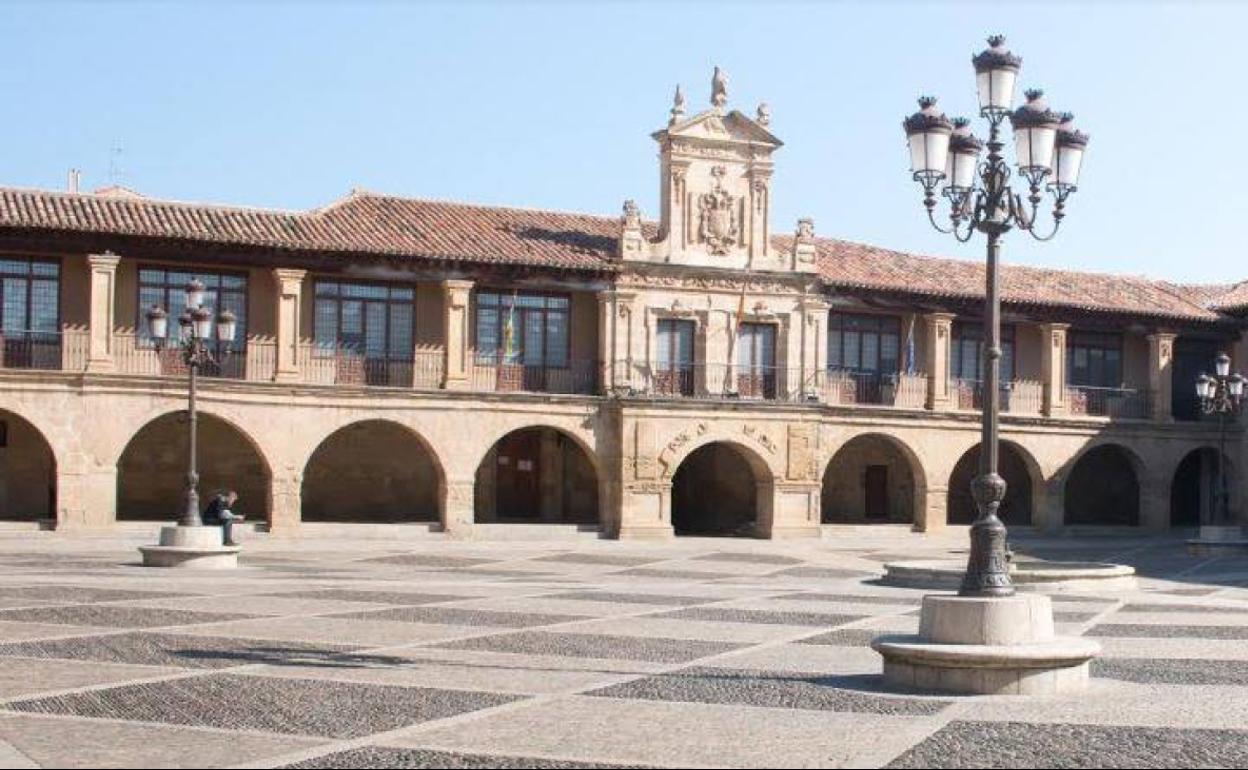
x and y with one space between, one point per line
218 514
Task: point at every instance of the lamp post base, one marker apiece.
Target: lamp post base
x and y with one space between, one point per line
976 645
191 548
1214 539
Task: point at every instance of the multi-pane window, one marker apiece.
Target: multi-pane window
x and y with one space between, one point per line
1094 359
966 353
675 356
756 360
374 321
864 343
167 289
29 298
527 329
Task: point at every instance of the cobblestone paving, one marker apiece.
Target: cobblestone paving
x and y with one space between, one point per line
583 653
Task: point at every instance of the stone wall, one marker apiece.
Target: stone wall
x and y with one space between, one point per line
371 471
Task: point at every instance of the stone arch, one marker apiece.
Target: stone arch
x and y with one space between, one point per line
373 471
538 474
151 470
1102 487
1024 484
722 487
1193 487
27 471
874 478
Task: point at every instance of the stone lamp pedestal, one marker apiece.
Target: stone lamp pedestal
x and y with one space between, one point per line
987 646
1215 539
190 547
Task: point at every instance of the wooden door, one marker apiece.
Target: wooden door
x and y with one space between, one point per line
877 492
519 471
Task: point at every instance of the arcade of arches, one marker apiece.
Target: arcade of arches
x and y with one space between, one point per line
869 480
536 475
715 492
27 472
151 474
1103 489
373 471
1016 509
1193 489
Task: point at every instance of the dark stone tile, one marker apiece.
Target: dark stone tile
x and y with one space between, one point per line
385 757
769 689
1173 671
324 708
748 558
1149 631
458 616
114 616
376 597
1146 607
611 560
186 651
631 598
846 637
776 617
820 596
428 560
1015 744
602 646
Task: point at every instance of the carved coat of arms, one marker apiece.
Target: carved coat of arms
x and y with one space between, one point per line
718 228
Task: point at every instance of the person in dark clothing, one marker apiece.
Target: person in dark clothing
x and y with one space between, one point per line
218 514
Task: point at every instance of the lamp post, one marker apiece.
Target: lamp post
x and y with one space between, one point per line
195 330
1222 394
945 154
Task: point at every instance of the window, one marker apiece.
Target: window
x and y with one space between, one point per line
29 299
675 356
374 321
527 329
966 353
1094 359
756 360
864 343
167 288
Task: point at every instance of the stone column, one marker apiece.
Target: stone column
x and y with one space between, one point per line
939 340
102 311
931 512
646 510
1161 375
1155 503
1049 511
1053 367
288 309
606 343
86 494
789 509
814 346
286 503
456 333
457 511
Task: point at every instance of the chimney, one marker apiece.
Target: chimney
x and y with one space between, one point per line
75 176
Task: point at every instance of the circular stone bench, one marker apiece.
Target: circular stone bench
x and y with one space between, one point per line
190 547
1038 576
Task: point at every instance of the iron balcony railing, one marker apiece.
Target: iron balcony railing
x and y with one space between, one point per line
907 390
322 363
49 351
1115 403
490 373
1016 396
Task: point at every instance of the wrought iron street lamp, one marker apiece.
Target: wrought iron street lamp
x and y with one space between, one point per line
195 330
1223 395
944 155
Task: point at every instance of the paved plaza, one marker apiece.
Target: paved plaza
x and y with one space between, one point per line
583 653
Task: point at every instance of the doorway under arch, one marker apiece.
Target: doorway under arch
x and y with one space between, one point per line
716 492
1193 488
27 471
151 474
870 480
372 471
1103 489
1016 509
537 475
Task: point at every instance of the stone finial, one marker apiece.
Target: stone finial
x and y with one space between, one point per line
678 106
804 249
806 228
632 215
764 114
719 89
631 238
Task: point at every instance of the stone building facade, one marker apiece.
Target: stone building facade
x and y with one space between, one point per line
455 367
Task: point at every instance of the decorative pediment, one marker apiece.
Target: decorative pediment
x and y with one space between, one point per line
714 126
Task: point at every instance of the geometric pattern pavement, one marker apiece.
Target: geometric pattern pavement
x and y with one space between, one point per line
585 653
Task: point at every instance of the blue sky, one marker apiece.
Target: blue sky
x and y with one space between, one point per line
289 105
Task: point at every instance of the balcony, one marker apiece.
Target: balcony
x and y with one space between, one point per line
47 351
1021 397
495 374
904 390
1114 403
348 365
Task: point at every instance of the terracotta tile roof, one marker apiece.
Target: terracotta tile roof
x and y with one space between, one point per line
368 223
858 266
361 223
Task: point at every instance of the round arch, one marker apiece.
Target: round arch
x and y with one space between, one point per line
1102 487
873 478
1023 481
721 488
27 471
538 474
151 471
1193 487
373 471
